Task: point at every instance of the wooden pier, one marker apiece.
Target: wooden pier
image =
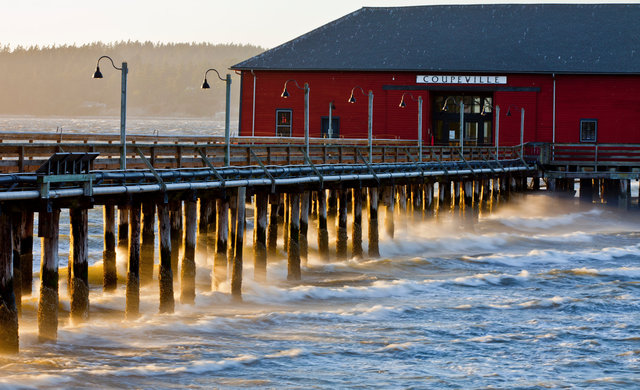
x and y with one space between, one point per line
181 185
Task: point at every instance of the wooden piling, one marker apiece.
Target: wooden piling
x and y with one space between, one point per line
123 227
341 237
477 189
402 199
175 215
272 230
79 258
211 237
260 237
323 232
9 337
48 230
374 250
428 198
236 272
188 266
468 193
26 252
16 224
147 248
203 228
293 254
132 310
110 278
389 202
304 225
624 194
165 274
233 217
586 190
356 229
222 237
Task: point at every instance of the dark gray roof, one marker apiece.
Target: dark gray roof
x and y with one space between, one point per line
516 38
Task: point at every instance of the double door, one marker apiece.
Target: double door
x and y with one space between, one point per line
477 119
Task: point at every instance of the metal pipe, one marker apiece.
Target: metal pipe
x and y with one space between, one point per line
123 117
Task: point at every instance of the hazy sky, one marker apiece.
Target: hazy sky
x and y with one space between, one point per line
267 23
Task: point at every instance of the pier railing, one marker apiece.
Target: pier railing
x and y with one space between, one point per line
25 152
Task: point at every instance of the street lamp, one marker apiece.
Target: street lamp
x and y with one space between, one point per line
403 105
521 127
332 107
444 108
227 144
352 99
123 107
285 94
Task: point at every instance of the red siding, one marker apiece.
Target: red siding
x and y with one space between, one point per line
610 99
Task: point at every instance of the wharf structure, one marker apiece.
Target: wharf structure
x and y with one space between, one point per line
565 77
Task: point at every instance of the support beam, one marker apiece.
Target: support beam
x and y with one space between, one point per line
222 237
323 232
147 248
586 191
16 224
175 214
374 250
110 278
341 237
48 230
233 211
123 227
204 210
356 231
188 266
304 225
260 237
236 273
9 337
26 252
132 310
165 274
293 254
79 258
272 230
389 202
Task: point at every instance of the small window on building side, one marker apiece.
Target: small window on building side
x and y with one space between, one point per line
283 123
588 130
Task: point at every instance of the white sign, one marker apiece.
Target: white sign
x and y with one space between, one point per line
458 79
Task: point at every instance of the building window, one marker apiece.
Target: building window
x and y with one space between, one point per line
283 123
588 130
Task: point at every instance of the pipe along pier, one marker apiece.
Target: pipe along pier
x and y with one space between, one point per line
201 206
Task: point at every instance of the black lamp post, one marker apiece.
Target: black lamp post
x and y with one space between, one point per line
123 107
227 143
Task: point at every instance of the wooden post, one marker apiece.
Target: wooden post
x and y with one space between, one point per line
211 227
260 237
165 275
476 191
468 193
79 258
495 187
147 249
133 273
389 202
304 225
286 222
456 193
416 196
175 214
374 250
236 272
9 338
272 232
586 190
341 237
428 198
48 230
16 224
323 232
402 198
624 194
110 280
220 258
233 211
357 223
26 252
203 221
123 227
293 254
188 268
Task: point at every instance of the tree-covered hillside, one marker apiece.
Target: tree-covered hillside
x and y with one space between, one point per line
164 79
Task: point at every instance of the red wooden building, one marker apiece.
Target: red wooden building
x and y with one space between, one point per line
573 70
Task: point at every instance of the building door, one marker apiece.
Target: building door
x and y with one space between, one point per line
478 119
335 127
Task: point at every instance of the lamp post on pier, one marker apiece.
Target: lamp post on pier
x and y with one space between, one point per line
352 99
285 94
404 105
227 141
123 107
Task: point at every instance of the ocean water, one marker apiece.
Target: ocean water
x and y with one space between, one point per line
542 292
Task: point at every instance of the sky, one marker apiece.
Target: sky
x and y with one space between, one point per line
266 23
